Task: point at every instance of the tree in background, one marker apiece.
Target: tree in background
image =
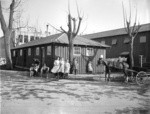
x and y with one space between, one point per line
7 30
132 31
73 29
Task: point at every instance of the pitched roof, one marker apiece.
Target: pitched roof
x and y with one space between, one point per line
62 39
121 31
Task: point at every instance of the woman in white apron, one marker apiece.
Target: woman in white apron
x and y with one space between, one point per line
56 67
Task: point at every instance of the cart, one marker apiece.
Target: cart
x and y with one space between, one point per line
139 77
142 77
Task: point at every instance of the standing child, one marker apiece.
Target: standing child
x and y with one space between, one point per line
67 69
56 67
90 68
75 66
61 68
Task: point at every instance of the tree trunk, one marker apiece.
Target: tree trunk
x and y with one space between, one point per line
131 53
71 52
7 37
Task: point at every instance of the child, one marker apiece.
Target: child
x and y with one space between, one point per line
44 70
90 68
67 69
35 67
61 68
75 66
56 67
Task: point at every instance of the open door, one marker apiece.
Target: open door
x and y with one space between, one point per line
24 57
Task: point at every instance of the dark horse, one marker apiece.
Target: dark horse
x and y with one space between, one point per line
107 68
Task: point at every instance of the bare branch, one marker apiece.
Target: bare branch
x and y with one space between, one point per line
137 29
130 11
17 4
69 7
79 24
77 9
20 27
124 18
56 28
69 24
74 23
63 30
133 29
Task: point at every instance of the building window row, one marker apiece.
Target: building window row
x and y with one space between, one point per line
25 38
126 40
76 51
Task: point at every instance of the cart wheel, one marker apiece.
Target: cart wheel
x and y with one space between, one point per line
141 77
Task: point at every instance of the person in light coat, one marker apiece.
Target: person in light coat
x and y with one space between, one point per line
61 68
56 67
67 69
90 68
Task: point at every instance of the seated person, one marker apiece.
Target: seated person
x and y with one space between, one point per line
44 70
34 70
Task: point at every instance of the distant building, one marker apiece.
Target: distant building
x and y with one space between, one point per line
25 35
120 43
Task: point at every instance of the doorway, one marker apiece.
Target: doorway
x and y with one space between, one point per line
42 55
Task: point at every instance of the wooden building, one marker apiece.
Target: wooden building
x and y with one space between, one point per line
120 43
47 49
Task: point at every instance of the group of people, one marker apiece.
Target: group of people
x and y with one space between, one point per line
61 68
35 68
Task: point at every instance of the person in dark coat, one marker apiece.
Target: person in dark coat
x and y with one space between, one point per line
44 70
35 67
75 66
107 68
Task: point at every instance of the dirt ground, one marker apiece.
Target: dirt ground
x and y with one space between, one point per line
23 95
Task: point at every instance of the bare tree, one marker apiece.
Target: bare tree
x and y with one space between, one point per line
132 31
73 29
7 30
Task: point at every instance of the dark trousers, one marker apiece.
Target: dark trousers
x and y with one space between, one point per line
61 75
75 71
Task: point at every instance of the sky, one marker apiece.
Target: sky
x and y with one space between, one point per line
97 15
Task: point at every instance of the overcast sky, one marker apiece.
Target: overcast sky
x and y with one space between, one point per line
98 15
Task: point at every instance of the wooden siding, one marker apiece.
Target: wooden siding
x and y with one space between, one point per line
117 49
62 51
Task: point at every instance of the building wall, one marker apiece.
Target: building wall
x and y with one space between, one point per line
25 60
120 46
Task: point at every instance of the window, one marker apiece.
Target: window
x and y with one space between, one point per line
25 39
29 51
31 38
37 51
143 39
14 53
126 40
103 42
89 51
77 51
21 52
114 41
48 50
37 38
20 38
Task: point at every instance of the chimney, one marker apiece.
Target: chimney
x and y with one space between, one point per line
47 30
